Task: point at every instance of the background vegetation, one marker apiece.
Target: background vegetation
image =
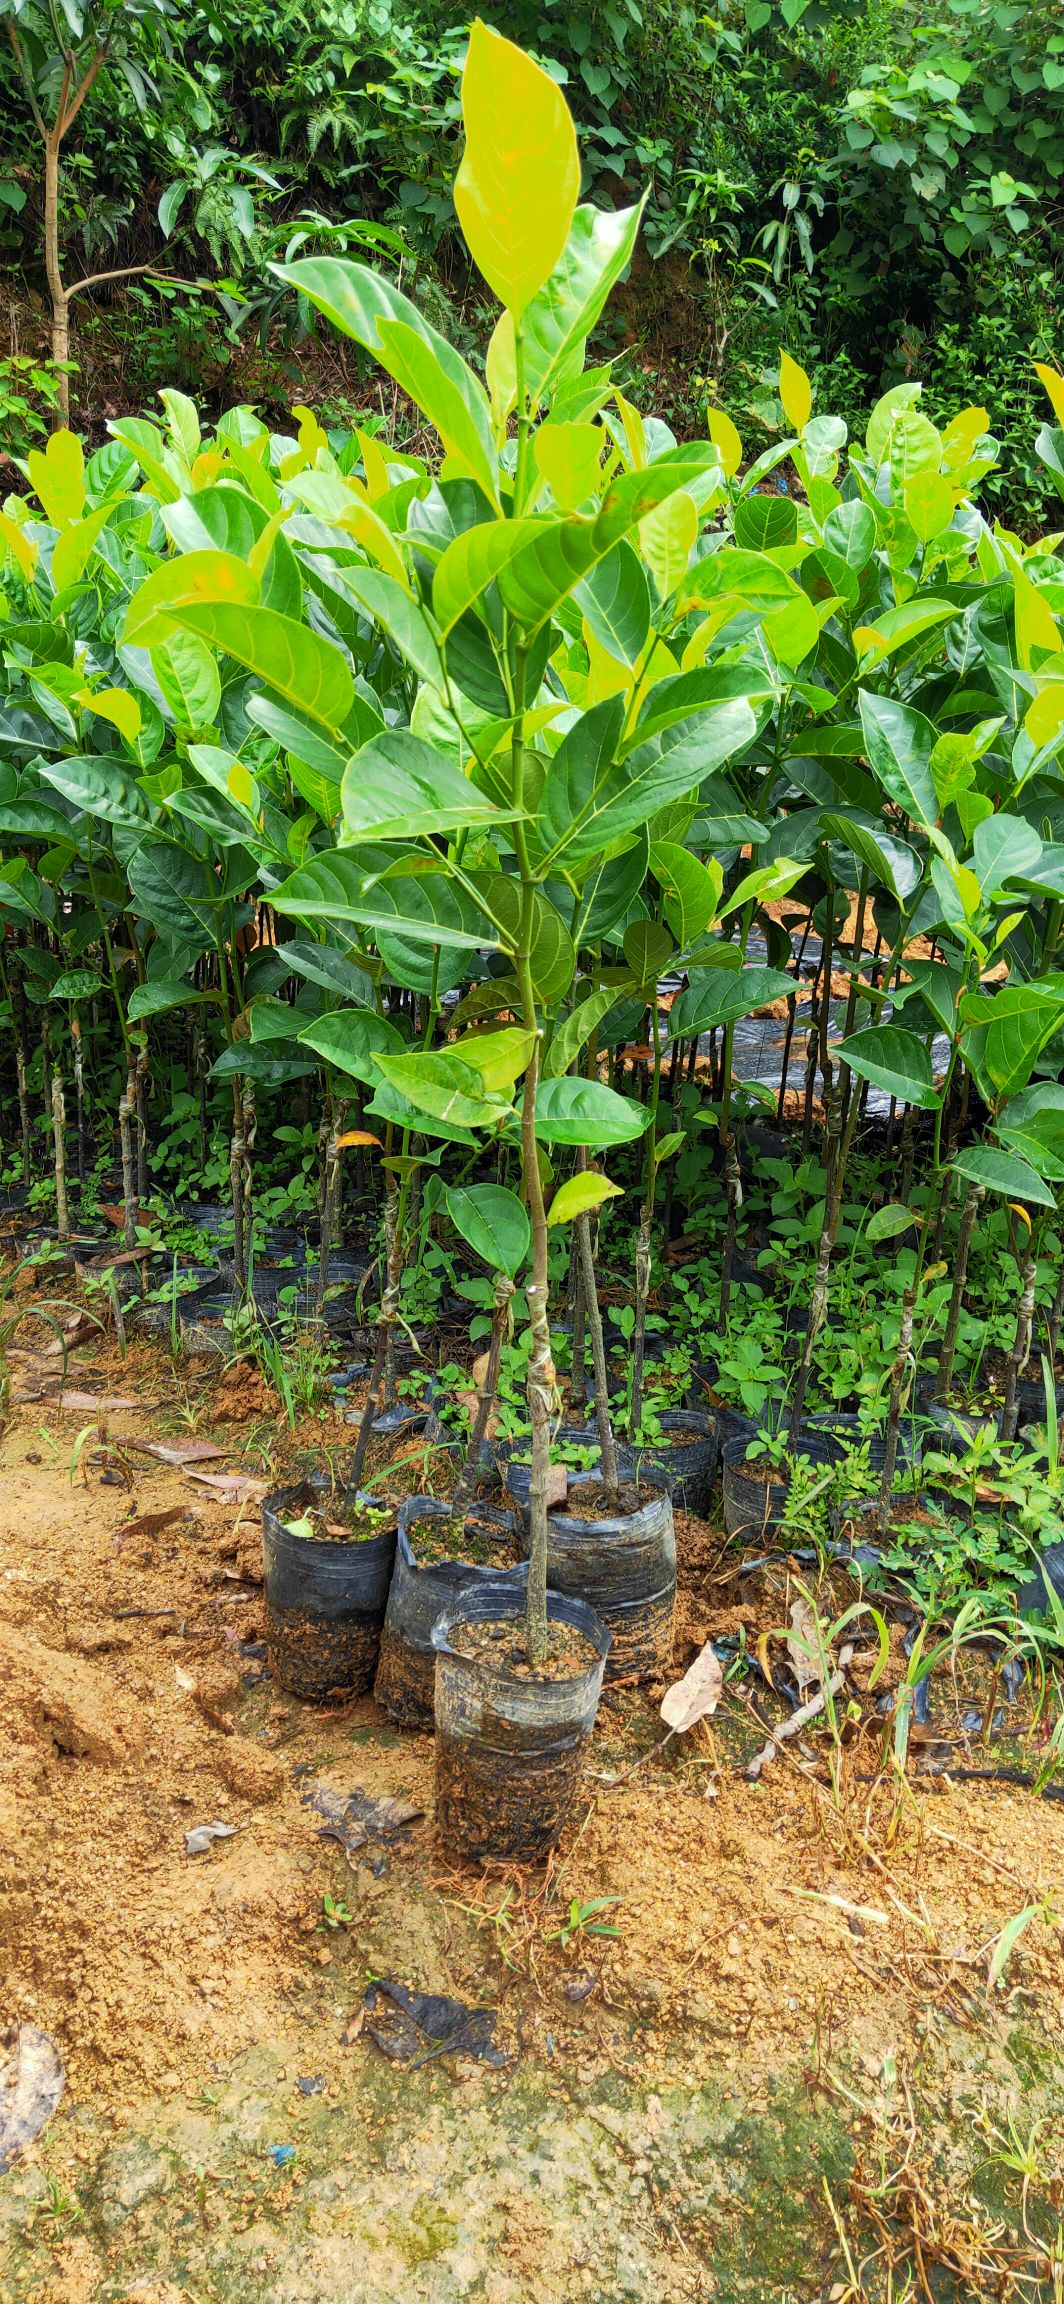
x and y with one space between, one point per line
873 183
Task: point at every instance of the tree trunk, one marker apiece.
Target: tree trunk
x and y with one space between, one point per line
56 290
1021 1350
62 1216
975 1196
500 1320
607 1444
897 1383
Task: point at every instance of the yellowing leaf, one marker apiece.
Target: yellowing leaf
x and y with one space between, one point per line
1035 622
961 434
374 465
1054 385
311 437
695 651
22 547
607 676
120 707
635 432
58 475
579 1194
724 436
795 393
499 1057
667 536
74 547
500 369
516 190
1044 717
192 579
568 459
928 501
358 1136
376 538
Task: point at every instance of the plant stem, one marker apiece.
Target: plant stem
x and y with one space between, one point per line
1021 1350
897 1384
607 1444
59 1138
500 1320
975 1196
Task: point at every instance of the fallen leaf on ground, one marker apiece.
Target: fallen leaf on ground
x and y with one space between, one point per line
802 1646
199 1839
238 1485
106 1403
696 1695
179 1452
32 2081
557 1486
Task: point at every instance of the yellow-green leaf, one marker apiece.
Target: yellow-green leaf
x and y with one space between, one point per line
928 501
22 547
500 369
517 187
1054 385
57 473
1035 622
795 393
120 707
1044 717
568 458
499 1057
667 537
579 1194
73 548
192 579
724 436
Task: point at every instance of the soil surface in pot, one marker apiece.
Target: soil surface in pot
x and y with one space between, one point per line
476 1543
502 1645
592 1500
334 1522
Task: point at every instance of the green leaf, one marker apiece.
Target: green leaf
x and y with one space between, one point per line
1003 848
891 863
517 187
426 908
438 1083
894 1060
291 658
323 964
579 1194
570 1111
1003 1172
615 603
364 305
899 743
576 1029
552 957
558 321
353 1040
890 1222
386 604
76 984
721 995
400 788
493 1223
691 890
100 788
648 949
590 799
188 679
161 994
1004 1032
175 890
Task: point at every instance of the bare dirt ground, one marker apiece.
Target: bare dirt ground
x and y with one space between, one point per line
801 2056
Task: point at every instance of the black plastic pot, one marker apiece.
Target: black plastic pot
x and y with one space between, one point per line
688 1462
624 1563
325 1602
508 1751
754 1502
155 1319
420 1591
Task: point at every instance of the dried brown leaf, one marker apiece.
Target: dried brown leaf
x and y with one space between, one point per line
696 1695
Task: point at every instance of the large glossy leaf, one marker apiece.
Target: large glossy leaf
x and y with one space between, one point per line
192 579
292 659
575 1030
516 189
1004 848
428 908
400 788
386 603
899 743
890 862
188 679
579 1194
894 1060
557 322
690 889
364 305
323 964
615 603
161 994
100 788
493 1223
552 957
1005 1172
353 1039
175 890
590 799
1004 1032
572 1111
440 1084
721 995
